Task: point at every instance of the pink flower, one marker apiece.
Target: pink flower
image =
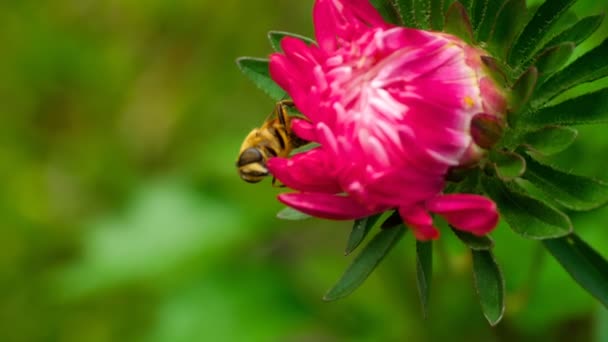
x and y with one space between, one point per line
391 109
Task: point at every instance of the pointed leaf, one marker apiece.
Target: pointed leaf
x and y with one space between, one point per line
405 8
590 67
535 31
422 13
487 19
578 32
550 140
490 285
527 216
437 14
275 38
257 71
572 191
392 221
424 272
508 22
365 263
583 263
523 89
508 165
586 109
289 213
553 58
474 242
360 229
457 22
387 10
478 12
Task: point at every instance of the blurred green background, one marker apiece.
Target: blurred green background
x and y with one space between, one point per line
123 219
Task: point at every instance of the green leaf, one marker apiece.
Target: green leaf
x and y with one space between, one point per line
523 89
572 191
365 263
553 58
422 13
437 15
392 221
527 216
487 19
590 67
387 10
360 229
583 263
578 32
474 242
508 22
405 8
275 38
537 28
550 139
257 71
587 109
508 165
457 22
490 285
424 272
290 214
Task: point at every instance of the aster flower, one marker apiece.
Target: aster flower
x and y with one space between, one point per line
417 110
391 108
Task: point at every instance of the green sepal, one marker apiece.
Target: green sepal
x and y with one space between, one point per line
495 70
256 69
424 273
509 21
275 38
553 58
367 260
590 67
522 90
508 165
361 228
489 284
578 32
405 9
573 192
486 130
290 214
536 30
549 140
527 216
586 266
474 242
586 109
457 22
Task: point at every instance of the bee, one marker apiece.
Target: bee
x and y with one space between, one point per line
273 139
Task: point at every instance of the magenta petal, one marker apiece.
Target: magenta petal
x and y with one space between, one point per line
304 129
467 212
421 223
306 171
327 206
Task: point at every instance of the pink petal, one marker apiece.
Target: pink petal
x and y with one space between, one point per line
467 212
333 207
421 223
304 129
306 171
